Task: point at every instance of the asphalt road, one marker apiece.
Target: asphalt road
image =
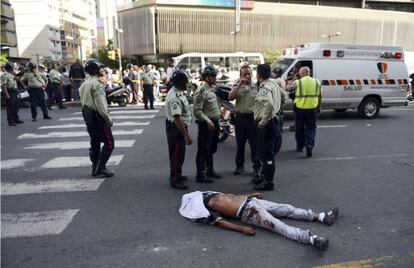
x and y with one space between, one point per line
57 216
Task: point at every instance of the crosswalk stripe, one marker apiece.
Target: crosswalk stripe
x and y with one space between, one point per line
324 126
55 186
116 124
36 223
66 162
128 112
113 117
75 134
113 108
76 145
13 163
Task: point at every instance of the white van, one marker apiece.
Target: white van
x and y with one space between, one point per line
359 77
228 64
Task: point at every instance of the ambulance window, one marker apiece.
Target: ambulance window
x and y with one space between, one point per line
294 72
282 65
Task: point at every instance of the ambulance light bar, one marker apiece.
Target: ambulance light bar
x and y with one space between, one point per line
391 55
326 53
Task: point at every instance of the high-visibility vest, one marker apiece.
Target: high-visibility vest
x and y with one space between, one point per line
307 93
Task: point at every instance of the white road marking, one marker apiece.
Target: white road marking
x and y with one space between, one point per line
324 126
70 134
56 186
128 112
116 124
13 163
113 108
76 145
403 109
65 162
36 223
113 117
344 158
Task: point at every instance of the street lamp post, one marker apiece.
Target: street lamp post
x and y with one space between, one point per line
119 32
329 36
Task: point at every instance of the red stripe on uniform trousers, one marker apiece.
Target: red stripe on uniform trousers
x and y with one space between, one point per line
108 138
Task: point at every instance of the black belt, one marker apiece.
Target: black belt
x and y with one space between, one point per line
244 206
244 115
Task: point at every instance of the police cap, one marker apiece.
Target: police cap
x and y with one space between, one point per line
31 65
179 78
92 67
209 71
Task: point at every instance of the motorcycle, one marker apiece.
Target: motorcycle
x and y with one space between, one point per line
162 91
228 110
119 94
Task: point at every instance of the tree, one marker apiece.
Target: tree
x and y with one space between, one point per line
102 56
3 58
271 56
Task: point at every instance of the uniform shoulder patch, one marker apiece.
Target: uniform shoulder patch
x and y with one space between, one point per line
174 104
199 99
101 91
264 91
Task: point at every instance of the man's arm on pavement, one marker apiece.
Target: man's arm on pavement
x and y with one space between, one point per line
235 227
257 195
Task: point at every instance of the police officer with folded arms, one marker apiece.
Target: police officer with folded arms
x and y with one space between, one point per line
178 119
97 120
245 93
266 107
37 86
207 114
11 93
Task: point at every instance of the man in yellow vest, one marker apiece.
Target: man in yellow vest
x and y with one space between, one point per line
307 102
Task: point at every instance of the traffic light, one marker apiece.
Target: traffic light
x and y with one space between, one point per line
111 55
118 52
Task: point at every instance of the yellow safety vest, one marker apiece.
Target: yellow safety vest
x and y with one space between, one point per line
307 93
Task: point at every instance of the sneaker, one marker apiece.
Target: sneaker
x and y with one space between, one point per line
265 186
330 216
213 174
308 152
239 170
203 179
103 173
47 117
320 242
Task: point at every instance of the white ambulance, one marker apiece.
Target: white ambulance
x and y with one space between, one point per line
362 77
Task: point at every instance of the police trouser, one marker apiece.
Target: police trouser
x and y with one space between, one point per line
99 132
246 131
149 95
207 145
176 149
134 91
265 143
37 98
305 124
12 106
55 94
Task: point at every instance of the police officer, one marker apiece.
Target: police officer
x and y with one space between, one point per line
244 94
207 115
148 87
307 103
11 93
37 86
267 105
55 92
97 119
133 77
178 119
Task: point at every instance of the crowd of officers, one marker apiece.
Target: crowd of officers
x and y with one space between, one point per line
258 121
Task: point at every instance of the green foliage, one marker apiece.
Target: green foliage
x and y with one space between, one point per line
3 58
102 56
47 63
271 56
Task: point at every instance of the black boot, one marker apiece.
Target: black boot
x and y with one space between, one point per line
201 178
239 170
213 174
257 178
265 186
94 157
308 151
178 184
101 171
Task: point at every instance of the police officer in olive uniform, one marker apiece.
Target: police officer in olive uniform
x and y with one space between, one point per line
55 92
207 114
97 120
37 86
244 94
178 119
11 93
267 105
148 86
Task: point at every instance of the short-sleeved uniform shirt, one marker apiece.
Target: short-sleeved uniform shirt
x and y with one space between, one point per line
34 80
9 80
55 76
176 103
206 105
147 79
267 102
245 99
92 95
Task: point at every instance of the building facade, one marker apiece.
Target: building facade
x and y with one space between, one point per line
8 30
158 27
108 22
